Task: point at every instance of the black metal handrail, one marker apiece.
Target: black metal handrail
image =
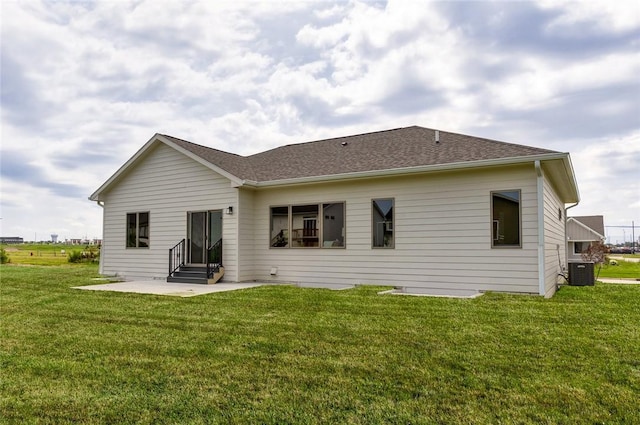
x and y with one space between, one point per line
176 257
214 258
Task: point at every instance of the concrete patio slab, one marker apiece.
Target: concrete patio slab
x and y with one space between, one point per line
159 287
469 294
331 286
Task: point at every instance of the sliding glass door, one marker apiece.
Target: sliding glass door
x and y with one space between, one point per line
204 228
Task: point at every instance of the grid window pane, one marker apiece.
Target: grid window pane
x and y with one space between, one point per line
137 230
279 227
382 223
131 230
505 206
333 230
304 222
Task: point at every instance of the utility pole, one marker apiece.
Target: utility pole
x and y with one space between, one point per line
624 236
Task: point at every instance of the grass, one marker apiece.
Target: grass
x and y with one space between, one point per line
622 270
40 254
281 354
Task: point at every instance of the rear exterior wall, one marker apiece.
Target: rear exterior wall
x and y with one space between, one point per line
442 225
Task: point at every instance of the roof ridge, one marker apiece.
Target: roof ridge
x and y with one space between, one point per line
487 139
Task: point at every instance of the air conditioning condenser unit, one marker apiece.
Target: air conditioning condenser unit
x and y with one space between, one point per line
581 274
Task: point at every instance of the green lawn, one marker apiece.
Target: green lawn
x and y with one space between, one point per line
281 354
622 270
41 254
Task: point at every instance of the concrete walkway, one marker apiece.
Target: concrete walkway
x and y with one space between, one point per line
620 258
160 287
620 281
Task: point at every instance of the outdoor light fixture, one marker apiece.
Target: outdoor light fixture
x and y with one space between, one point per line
229 210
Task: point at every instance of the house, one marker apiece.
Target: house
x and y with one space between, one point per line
582 232
11 240
424 210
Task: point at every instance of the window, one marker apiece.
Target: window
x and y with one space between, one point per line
382 223
312 226
279 227
138 230
505 213
333 225
580 247
304 224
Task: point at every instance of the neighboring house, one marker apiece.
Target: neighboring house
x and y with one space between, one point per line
11 239
426 210
582 232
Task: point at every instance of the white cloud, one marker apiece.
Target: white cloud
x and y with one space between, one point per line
609 180
601 16
86 84
542 82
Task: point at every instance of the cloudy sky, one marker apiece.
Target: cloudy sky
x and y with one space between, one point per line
86 84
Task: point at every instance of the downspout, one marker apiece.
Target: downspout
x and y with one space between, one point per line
540 194
100 265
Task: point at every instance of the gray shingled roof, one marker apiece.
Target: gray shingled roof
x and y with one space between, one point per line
237 165
383 150
594 222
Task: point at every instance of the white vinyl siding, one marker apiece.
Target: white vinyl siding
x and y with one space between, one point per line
441 227
167 184
245 215
554 238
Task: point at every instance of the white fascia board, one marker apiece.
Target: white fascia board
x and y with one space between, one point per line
568 166
408 170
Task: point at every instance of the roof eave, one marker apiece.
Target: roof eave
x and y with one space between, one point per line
407 170
572 177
